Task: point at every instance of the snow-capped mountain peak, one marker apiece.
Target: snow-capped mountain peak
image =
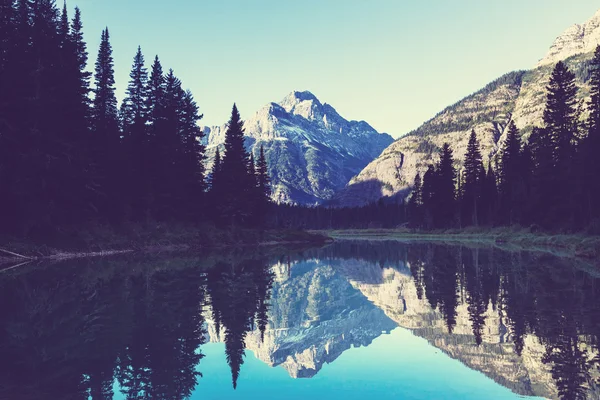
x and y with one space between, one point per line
311 150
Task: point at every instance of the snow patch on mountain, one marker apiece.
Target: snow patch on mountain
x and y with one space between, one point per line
311 150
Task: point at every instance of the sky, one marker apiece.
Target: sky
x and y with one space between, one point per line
392 63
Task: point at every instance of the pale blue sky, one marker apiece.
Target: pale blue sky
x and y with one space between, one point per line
392 63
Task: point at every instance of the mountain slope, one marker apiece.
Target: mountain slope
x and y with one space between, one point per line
311 150
519 96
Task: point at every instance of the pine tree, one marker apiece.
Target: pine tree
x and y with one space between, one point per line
471 184
216 169
428 195
264 181
106 147
489 197
511 185
82 59
414 203
64 28
166 150
590 148
560 112
236 179
105 101
445 189
543 188
133 109
560 119
156 96
133 118
193 153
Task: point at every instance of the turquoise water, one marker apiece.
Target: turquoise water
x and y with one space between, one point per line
395 366
353 320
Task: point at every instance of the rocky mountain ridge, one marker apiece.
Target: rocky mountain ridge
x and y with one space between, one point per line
311 150
518 96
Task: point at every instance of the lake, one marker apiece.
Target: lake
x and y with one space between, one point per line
356 319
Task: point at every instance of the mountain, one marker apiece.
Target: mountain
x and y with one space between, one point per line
518 96
312 151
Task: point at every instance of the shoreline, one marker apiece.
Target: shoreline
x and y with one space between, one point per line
22 252
572 245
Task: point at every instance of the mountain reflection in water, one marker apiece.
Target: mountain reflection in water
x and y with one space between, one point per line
135 328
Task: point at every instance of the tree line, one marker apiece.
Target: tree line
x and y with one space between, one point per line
549 181
70 156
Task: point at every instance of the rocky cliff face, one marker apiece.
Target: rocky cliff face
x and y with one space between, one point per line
578 39
519 96
311 150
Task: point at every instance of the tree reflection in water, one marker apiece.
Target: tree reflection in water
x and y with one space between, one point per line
72 329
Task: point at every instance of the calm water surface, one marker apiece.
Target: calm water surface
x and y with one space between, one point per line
354 320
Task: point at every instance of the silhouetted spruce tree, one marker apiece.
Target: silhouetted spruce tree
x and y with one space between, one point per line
471 187
543 177
133 116
106 143
237 182
489 197
192 157
156 97
511 186
445 189
216 169
527 173
264 184
591 148
561 125
414 203
80 48
64 29
428 197
167 187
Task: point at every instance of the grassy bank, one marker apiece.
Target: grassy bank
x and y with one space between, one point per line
102 241
577 245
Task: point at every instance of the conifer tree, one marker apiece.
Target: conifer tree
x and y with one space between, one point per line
543 186
133 118
166 150
471 184
105 150
591 146
510 171
156 96
489 196
264 181
82 59
105 101
236 179
445 189
428 197
133 110
263 186
415 202
192 157
64 27
216 169
560 112
560 119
